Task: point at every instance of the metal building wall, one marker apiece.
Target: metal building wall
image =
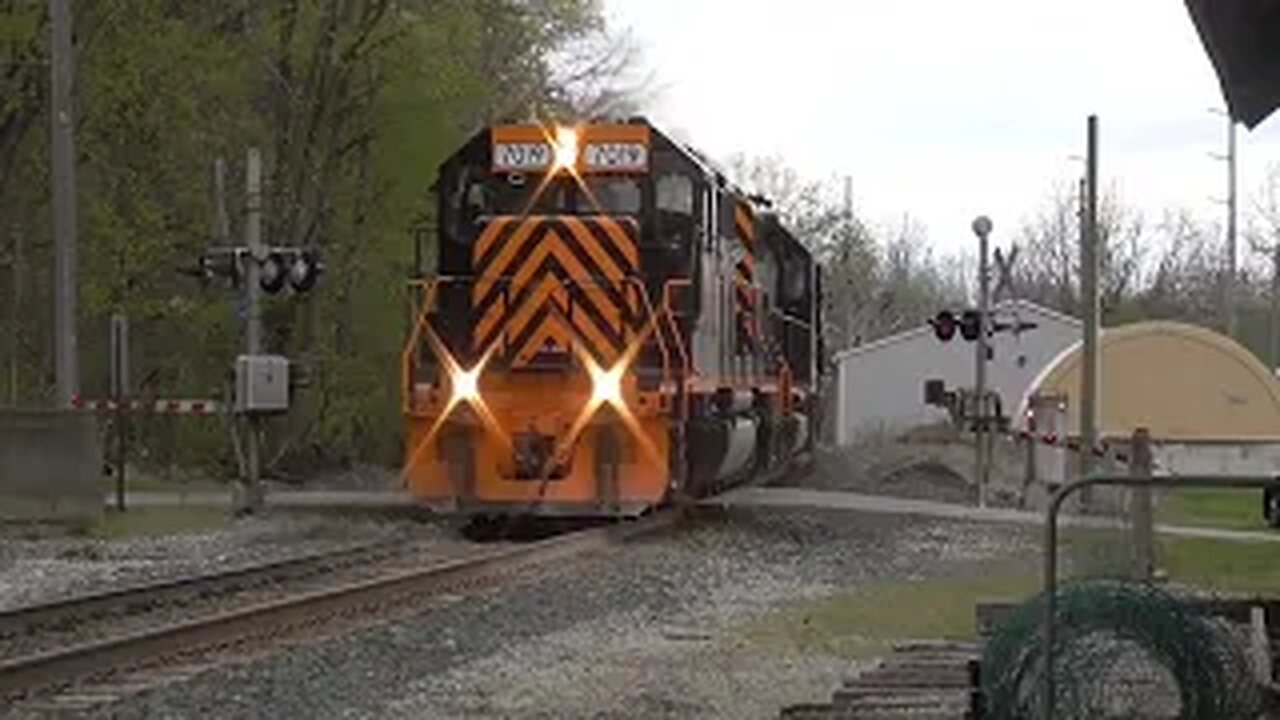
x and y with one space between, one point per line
881 385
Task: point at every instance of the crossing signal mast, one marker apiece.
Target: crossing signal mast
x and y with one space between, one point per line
262 381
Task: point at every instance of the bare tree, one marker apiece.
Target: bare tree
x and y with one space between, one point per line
1049 271
1184 281
594 76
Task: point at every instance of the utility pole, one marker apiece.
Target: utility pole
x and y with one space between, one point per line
62 132
1089 396
1275 306
1230 269
251 499
982 228
1229 299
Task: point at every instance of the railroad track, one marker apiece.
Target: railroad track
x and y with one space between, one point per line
91 673
28 630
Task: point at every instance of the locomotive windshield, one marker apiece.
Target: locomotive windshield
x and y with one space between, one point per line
477 193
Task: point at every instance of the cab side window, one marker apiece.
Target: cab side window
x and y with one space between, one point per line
674 193
673 203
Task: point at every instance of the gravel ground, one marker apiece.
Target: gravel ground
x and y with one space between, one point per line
37 571
650 631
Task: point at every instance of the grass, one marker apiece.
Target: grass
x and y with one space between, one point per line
1230 509
865 622
1222 566
152 521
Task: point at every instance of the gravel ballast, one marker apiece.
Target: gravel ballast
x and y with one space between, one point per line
650 630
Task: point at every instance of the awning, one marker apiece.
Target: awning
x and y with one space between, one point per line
1242 39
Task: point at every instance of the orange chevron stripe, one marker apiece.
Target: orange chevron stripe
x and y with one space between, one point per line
549 286
491 316
490 233
608 310
558 328
550 244
621 239
588 328
553 246
553 329
592 246
484 282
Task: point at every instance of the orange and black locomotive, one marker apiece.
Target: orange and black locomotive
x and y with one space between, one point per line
610 324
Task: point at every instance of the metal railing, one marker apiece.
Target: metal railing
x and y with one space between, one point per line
1051 542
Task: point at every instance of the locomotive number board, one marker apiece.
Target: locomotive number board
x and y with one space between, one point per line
599 148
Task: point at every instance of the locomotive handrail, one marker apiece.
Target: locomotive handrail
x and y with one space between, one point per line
686 372
653 322
407 362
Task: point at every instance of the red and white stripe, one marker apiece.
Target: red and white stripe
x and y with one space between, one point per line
1101 450
158 407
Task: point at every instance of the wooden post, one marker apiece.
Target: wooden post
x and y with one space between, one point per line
1140 506
120 393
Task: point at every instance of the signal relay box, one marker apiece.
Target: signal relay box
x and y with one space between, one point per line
262 383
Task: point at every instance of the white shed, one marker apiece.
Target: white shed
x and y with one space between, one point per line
880 385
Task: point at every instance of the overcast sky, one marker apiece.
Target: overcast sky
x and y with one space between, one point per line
944 109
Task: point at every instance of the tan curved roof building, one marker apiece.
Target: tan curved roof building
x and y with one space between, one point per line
1181 381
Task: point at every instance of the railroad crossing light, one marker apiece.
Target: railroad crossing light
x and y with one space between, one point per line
970 325
305 271
272 276
944 325
300 268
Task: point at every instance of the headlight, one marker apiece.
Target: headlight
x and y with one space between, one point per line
466 384
606 385
566 148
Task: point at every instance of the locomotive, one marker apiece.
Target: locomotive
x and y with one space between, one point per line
610 326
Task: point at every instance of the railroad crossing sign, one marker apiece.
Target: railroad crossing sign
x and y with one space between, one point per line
1004 264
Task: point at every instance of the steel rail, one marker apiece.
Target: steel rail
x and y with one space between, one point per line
280 619
24 621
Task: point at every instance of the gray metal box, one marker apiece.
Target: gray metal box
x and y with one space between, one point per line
262 383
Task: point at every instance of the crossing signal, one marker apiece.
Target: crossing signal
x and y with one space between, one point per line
944 325
305 270
272 274
970 325
299 268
